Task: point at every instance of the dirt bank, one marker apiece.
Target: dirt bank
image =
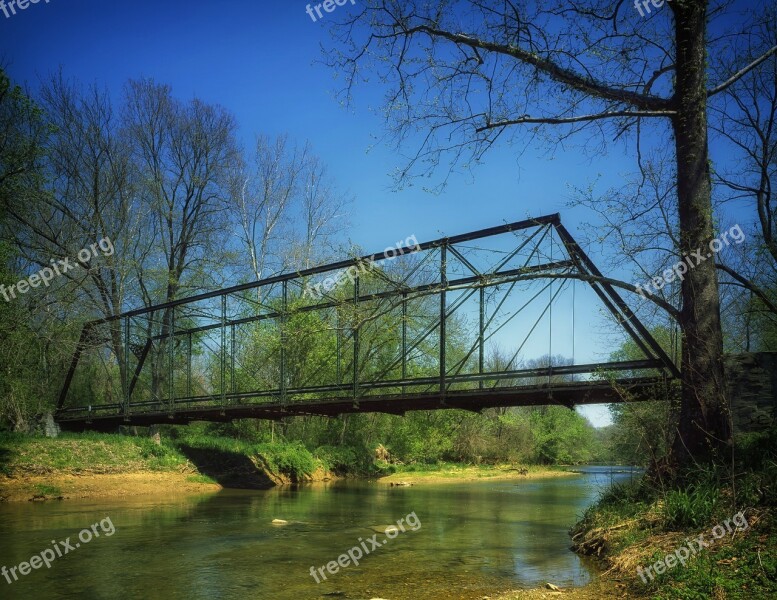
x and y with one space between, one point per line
51 487
470 473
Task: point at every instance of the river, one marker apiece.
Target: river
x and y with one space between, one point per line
461 540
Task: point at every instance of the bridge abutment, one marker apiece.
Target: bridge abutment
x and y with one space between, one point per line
751 379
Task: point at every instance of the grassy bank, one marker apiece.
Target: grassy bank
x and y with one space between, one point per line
93 465
87 453
455 472
651 525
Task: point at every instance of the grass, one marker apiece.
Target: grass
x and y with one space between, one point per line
452 471
637 524
47 490
96 453
289 459
199 478
742 567
86 453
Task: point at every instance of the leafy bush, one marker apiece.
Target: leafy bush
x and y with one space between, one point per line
291 459
755 450
344 460
692 507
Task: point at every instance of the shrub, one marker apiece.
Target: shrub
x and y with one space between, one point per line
291 459
343 460
691 507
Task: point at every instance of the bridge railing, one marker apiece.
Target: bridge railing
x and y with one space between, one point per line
446 316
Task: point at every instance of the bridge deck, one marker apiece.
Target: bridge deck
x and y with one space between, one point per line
459 322
561 393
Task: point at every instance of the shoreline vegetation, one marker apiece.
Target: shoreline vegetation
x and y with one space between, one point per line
637 531
87 466
632 525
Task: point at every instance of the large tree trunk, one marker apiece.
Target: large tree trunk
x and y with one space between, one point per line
704 431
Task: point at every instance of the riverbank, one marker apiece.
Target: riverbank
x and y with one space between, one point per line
714 536
455 473
596 590
104 486
112 466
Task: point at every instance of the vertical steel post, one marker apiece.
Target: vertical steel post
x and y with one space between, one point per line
339 346
285 299
481 336
443 299
356 342
171 359
404 341
232 378
189 366
126 384
223 350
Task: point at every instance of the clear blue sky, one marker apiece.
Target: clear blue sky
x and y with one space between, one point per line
261 60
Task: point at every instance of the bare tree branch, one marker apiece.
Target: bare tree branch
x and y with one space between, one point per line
742 72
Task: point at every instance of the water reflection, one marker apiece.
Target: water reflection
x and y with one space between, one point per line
475 539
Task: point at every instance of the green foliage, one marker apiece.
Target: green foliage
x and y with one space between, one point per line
47 490
290 459
756 458
642 432
86 453
745 567
561 436
619 502
693 506
737 566
283 458
344 460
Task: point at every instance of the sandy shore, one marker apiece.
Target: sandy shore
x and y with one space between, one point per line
470 473
596 590
124 485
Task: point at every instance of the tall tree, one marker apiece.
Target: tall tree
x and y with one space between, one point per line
469 72
746 122
285 208
23 380
184 153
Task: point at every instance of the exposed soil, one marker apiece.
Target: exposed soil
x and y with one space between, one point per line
468 474
596 590
55 487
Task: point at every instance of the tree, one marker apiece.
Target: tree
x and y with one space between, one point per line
746 121
23 381
642 432
469 72
285 208
184 154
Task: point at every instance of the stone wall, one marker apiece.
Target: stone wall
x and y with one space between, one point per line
752 386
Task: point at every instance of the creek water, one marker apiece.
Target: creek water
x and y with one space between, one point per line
461 540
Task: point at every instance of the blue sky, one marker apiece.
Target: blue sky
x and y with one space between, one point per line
261 60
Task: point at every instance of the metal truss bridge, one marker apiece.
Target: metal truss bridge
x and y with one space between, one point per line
465 322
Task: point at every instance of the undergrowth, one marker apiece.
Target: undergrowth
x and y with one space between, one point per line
641 523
